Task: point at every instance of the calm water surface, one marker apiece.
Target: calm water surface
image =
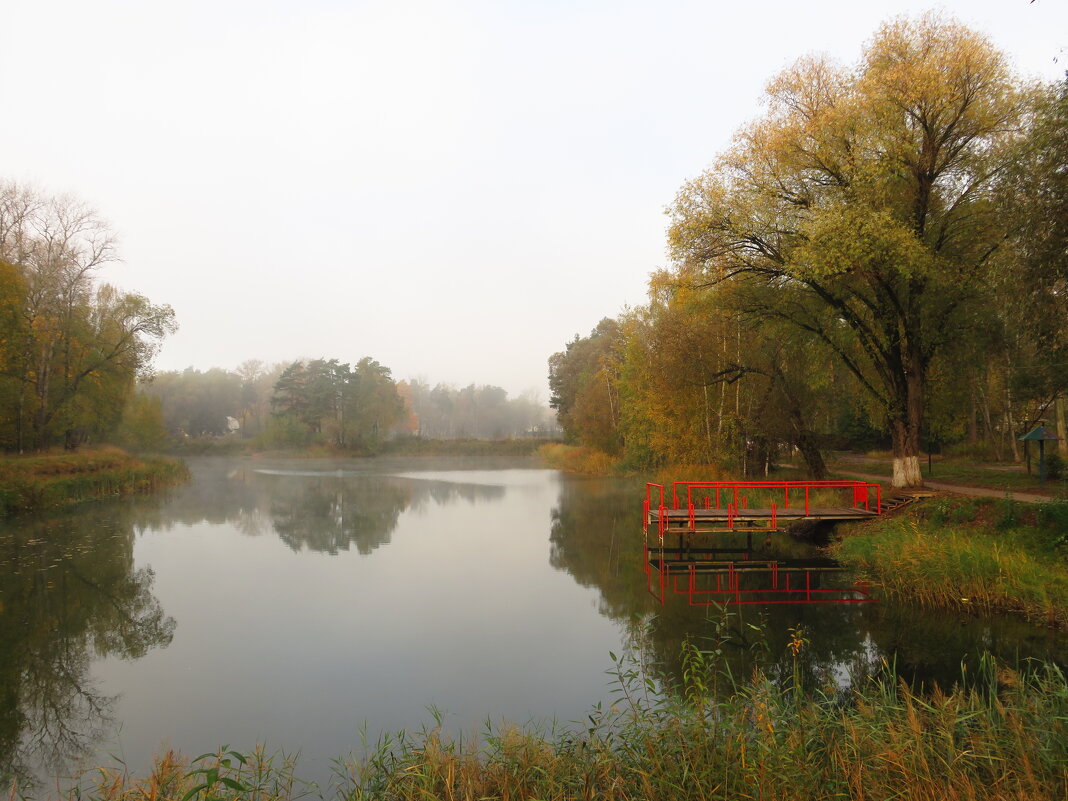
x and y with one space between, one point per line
299 604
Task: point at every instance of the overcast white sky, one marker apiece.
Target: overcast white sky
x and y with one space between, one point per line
452 188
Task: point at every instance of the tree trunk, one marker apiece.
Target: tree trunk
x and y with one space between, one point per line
973 420
1011 425
810 452
906 442
906 421
991 436
1062 431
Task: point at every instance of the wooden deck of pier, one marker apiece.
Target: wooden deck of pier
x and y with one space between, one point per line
681 521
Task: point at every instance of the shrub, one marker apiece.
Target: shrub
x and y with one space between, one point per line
1054 466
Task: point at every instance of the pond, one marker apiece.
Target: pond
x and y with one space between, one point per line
310 605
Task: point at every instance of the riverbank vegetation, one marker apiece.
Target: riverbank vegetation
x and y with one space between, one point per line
999 734
54 480
878 261
976 556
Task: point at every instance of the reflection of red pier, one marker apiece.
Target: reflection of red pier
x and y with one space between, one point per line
708 574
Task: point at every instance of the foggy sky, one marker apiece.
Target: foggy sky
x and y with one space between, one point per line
452 188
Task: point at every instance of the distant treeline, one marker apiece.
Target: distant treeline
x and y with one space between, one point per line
881 260
327 402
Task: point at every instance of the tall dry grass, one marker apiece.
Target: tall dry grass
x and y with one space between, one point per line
577 459
54 480
998 735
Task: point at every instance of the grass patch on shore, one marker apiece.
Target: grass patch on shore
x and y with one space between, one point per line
53 480
998 735
978 555
577 459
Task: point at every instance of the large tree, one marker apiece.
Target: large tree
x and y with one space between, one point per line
77 344
862 199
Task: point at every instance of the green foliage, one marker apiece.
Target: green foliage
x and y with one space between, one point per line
963 512
1054 466
582 379
284 432
329 402
1053 518
141 428
1008 515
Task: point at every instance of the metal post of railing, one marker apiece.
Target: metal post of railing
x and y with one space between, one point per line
693 518
806 501
645 516
878 499
774 520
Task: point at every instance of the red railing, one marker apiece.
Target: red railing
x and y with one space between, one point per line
861 492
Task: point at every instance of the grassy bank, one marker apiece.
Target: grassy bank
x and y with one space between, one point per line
998 735
49 481
577 459
962 471
973 555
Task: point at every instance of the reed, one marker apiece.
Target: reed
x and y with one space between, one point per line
49 481
577 459
998 734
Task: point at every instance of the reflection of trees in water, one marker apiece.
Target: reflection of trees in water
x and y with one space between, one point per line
326 510
330 514
444 493
596 537
68 592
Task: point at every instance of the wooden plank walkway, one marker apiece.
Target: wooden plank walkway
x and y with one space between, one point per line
720 520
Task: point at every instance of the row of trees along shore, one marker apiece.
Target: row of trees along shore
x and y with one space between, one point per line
71 347
326 401
881 256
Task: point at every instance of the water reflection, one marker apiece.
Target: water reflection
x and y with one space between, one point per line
322 510
596 537
68 593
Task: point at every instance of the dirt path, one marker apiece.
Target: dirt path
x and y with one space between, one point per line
978 492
